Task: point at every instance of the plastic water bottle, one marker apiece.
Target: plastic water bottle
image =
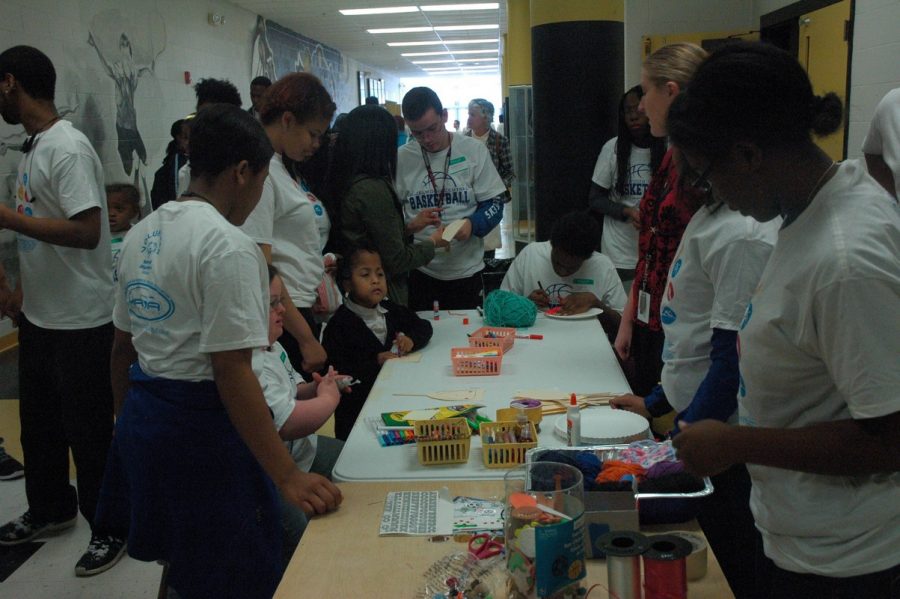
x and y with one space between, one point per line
573 422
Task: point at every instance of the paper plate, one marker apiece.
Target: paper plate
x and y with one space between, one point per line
589 314
605 426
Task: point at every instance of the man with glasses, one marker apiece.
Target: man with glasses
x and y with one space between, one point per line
444 178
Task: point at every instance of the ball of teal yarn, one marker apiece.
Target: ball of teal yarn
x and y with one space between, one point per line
506 309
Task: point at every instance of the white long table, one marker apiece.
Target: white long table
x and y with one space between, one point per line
574 356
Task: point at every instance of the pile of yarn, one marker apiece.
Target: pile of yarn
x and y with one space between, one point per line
506 309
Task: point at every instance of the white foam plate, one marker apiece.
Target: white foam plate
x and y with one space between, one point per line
605 426
589 314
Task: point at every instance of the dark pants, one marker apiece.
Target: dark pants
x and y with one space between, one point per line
727 522
458 294
646 358
65 402
791 585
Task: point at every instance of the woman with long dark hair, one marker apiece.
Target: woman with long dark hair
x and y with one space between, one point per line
819 408
621 176
361 190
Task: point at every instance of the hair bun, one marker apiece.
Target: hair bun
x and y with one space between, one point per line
827 114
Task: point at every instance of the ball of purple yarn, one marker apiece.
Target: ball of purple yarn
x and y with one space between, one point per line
664 469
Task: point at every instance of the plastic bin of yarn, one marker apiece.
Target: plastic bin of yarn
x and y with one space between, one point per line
472 361
488 336
506 309
504 455
433 451
627 508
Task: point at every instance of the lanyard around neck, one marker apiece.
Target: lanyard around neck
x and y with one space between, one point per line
439 197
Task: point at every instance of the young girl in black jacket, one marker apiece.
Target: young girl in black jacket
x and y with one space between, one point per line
367 330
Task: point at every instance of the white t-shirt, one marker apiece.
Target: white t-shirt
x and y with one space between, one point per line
471 178
718 264
184 179
323 223
285 218
620 238
596 275
189 284
819 343
115 246
279 383
884 134
63 287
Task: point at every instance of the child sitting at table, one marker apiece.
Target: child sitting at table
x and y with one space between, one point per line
299 409
367 330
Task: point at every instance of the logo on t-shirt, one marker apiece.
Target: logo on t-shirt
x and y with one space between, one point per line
670 291
317 208
150 248
667 316
747 314
148 302
427 198
676 267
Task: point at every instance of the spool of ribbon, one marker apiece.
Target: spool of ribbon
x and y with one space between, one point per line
623 567
695 563
525 403
665 574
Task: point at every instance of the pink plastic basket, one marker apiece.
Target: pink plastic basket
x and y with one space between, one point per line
490 336
467 362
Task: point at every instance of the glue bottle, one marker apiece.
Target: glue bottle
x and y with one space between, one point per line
437 308
573 422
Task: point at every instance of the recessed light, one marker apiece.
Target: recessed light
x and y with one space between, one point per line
449 52
447 7
384 10
443 42
400 30
441 61
465 27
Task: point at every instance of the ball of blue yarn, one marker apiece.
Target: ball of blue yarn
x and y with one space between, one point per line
506 309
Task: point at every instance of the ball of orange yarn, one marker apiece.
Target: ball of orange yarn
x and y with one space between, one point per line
615 470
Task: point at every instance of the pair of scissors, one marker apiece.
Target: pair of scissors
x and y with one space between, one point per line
482 546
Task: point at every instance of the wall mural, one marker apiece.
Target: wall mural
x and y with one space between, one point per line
278 51
128 46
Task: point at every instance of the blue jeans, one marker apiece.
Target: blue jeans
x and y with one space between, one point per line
293 520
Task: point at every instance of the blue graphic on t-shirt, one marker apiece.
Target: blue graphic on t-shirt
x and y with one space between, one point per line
146 301
742 389
318 210
747 314
676 267
667 315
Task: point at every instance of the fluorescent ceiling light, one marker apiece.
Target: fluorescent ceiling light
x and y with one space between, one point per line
447 7
385 10
449 52
451 60
465 27
401 30
443 42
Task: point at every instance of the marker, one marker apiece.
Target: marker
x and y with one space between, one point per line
437 313
532 336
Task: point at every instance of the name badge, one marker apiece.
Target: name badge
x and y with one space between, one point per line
643 307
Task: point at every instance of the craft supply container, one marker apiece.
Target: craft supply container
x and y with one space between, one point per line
625 510
543 530
504 455
466 362
451 451
505 337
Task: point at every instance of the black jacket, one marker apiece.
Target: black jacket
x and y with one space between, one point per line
353 350
165 179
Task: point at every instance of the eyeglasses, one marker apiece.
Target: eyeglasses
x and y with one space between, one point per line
275 302
701 182
432 129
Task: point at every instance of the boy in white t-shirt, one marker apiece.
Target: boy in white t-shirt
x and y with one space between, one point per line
566 271
123 201
443 178
299 409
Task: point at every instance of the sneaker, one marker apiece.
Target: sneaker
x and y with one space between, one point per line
26 527
10 467
102 554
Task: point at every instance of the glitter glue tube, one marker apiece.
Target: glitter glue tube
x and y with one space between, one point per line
437 308
573 422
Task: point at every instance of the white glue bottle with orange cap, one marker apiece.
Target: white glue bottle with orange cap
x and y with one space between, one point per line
573 422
